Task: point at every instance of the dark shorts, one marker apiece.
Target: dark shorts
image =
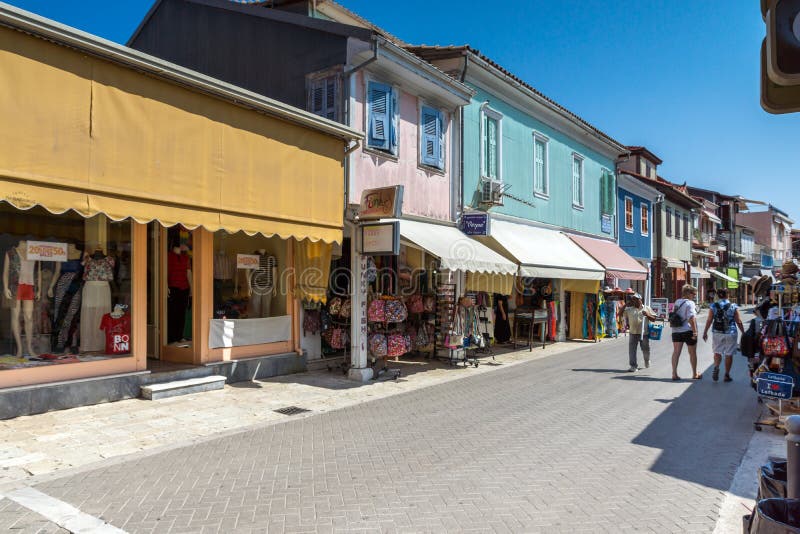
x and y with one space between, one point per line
684 337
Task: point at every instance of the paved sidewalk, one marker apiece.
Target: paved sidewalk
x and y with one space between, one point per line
47 443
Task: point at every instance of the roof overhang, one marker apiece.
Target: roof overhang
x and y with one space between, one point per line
488 77
61 34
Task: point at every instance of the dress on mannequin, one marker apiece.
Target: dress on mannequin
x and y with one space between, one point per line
179 271
262 285
98 271
22 285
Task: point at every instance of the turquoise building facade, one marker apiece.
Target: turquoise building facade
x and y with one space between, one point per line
553 204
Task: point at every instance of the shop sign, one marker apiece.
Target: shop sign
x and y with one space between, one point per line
475 224
247 261
660 307
380 239
775 385
733 272
46 251
605 224
381 203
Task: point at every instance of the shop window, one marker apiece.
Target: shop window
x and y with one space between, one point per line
66 288
251 284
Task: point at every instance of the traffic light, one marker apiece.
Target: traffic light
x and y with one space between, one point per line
780 56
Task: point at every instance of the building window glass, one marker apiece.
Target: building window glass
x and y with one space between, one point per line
67 288
668 219
323 97
541 185
577 181
491 144
645 219
686 228
628 214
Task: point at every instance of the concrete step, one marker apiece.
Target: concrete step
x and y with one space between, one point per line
176 374
182 387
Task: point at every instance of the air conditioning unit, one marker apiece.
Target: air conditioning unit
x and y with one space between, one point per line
492 192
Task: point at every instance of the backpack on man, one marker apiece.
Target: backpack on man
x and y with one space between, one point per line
721 322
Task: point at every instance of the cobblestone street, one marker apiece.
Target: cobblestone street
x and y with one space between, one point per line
567 443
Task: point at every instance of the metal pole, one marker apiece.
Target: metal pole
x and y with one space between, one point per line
793 457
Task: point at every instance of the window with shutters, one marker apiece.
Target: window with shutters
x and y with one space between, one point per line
541 179
686 228
607 191
645 219
491 144
577 181
382 117
431 133
677 225
629 214
668 219
323 96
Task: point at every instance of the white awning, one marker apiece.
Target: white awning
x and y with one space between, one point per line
544 253
746 279
712 217
723 276
698 252
699 272
455 250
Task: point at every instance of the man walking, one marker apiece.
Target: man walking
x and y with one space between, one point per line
636 315
723 317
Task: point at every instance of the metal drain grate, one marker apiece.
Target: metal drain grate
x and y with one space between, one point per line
291 410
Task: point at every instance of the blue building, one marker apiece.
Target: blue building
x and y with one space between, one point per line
635 226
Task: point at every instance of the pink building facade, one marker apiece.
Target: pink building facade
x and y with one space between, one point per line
772 232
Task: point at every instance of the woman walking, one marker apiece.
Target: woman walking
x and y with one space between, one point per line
686 333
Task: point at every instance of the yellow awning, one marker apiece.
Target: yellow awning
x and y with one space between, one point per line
81 133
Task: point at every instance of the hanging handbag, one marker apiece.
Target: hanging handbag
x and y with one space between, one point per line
376 311
335 306
346 310
377 345
396 311
415 304
748 344
429 304
396 345
774 343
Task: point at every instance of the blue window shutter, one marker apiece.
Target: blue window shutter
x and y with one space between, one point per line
379 113
440 126
393 111
430 137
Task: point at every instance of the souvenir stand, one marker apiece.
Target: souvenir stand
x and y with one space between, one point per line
335 326
777 377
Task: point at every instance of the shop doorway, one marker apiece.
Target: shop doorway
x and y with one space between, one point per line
169 290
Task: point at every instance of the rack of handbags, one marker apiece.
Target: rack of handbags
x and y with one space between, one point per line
388 337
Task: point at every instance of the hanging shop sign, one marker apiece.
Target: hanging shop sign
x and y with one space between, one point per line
46 251
605 224
733 272
476 224
380 239
247 261
660 307
381 203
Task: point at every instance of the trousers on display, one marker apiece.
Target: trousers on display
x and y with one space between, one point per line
177 303
260 305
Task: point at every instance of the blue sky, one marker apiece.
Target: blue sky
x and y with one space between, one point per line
678 76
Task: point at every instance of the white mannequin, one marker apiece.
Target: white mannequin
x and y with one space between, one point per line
24 306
